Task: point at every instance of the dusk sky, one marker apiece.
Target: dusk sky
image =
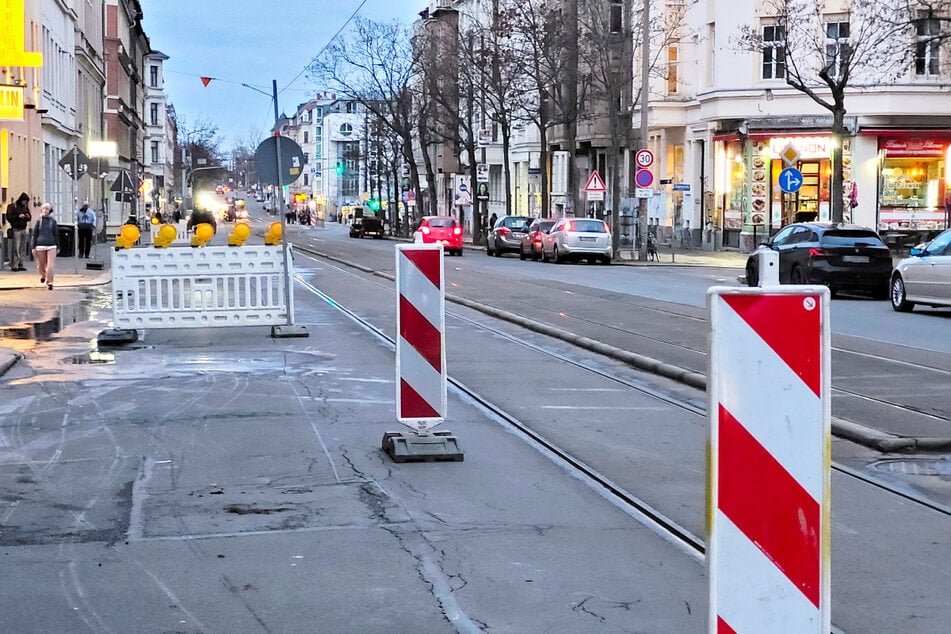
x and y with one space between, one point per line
252 42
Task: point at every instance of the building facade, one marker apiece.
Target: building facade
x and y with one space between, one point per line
724 123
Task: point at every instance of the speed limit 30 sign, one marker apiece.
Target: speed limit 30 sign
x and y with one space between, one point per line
644 158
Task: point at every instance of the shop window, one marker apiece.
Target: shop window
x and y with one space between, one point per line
774 52
927 46
838 51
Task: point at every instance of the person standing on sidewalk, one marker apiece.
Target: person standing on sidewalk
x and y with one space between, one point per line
86 225
45 235
18 215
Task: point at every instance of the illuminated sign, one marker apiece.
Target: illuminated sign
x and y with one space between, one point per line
12 26
808 146
11 103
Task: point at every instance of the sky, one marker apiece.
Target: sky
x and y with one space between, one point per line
251 42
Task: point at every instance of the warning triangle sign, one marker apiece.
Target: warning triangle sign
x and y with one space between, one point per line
595 183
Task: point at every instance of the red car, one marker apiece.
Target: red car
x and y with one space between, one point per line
442 230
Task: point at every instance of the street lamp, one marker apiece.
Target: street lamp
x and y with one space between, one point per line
289 329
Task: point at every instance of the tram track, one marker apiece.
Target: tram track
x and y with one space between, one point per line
630 502
852 430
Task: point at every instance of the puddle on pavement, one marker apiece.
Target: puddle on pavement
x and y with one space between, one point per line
916 466
91 357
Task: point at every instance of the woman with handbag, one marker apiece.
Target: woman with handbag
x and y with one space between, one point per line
45 243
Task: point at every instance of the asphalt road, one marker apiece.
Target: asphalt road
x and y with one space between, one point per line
219 480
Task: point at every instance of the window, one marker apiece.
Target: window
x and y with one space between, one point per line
672 58
927 46
616 21
306 158
306 180
153 76
155 152
153 113
837 48
346 129
351 107
774 56
306 137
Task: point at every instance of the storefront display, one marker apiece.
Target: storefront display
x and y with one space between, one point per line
914 183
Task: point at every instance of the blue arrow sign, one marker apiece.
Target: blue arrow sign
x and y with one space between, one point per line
790 180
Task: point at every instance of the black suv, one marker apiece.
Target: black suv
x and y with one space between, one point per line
842 257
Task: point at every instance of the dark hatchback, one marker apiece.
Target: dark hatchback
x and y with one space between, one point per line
842 257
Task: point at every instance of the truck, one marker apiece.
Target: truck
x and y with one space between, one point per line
365 224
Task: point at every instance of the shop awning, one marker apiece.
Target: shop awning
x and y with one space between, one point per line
932 133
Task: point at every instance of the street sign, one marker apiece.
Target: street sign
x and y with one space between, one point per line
790 180
644 158
789 154
595 183
265 160
595 196
123 183
644 178
76 158
642 192
482 173
681 187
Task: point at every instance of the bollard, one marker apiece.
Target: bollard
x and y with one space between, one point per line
768 268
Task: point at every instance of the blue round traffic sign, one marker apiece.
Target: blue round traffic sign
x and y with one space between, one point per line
790 180
644 178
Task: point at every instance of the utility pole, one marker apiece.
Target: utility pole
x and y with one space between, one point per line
645 97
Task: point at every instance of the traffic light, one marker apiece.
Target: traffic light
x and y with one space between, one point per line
373 204
339 169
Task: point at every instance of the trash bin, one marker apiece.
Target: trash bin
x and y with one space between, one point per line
66 237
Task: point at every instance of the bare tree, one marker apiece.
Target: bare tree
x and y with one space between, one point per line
376 64
822 56
609 42
547 35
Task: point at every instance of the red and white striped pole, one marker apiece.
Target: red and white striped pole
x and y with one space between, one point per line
770 413
420 342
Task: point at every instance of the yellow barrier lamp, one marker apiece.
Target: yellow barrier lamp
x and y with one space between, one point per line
128 235
166 235
273 235
239 234
204 232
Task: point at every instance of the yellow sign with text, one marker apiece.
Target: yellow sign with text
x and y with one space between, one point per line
11 103
12 27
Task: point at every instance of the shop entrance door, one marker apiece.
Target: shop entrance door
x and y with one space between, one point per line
807 198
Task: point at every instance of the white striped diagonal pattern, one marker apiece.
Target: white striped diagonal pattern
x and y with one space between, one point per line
420 343
768 549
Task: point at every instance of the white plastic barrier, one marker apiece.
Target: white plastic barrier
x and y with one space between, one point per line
184 287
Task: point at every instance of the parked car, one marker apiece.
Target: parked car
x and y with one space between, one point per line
442 230
506 236
532 242
578 238
842 257
925 276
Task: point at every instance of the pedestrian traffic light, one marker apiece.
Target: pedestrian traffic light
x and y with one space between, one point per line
339 169
373 204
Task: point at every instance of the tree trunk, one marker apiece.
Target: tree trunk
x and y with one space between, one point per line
543 165
838 135
507 166
613 167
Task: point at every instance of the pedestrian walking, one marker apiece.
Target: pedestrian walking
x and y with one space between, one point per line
19 217
85 226
45 235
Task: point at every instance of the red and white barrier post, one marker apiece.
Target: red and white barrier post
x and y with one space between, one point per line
770 451
420 356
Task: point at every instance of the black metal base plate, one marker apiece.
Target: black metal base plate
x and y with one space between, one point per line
439 446
115 337
286 332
